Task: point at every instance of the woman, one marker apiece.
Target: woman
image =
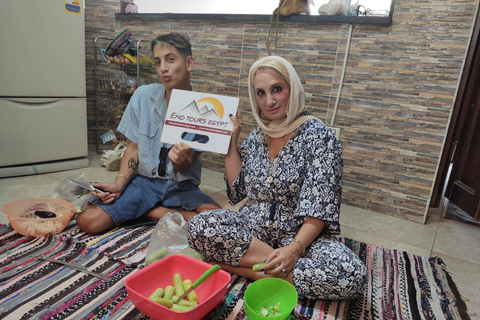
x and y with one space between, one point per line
290 170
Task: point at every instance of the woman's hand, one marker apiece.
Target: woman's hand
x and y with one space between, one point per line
112 192
233 162
237 126
281 261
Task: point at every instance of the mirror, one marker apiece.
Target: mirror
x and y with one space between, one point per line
260 7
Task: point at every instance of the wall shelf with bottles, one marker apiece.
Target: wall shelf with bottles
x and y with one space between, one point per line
358 12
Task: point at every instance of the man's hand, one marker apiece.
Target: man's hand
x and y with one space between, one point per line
112 192
182 156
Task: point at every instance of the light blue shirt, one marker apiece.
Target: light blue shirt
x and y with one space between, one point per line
142 123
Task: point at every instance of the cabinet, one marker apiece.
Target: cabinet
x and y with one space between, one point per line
116 79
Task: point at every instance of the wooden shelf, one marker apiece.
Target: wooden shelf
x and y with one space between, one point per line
324 19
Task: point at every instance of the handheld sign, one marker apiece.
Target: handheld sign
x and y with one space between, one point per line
201 120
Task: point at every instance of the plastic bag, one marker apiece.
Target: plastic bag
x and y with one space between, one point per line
334 7
70 192
120 82
169 237
131 8
352 9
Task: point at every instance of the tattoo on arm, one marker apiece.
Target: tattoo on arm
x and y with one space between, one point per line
133 164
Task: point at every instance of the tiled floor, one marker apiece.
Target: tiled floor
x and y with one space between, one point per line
458 244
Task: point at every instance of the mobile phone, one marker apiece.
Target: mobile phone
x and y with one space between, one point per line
45 214
98 189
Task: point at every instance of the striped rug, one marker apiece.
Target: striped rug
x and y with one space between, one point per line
400 285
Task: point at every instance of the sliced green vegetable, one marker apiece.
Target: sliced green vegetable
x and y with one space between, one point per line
178 284
270 311
156 255
169 292
180 308
157 294
187 303
258 267
264 311
192 296
192 253
164 302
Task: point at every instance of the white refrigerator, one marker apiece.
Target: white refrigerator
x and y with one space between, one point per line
43 116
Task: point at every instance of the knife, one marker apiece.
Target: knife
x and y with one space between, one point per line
200 280
85 185
75 266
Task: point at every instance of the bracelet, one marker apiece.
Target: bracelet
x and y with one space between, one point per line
122 176
301 244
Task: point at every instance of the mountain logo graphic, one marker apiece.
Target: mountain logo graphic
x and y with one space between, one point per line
207 106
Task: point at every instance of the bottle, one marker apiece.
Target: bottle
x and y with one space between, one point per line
352 8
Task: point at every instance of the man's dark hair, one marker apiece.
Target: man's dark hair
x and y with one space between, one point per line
179 41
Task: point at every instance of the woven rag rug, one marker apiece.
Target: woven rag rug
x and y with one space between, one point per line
400 285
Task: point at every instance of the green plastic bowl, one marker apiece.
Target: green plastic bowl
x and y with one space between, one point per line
269 292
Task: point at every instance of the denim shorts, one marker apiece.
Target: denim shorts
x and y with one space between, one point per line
143 194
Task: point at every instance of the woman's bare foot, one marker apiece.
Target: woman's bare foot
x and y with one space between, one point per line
158 212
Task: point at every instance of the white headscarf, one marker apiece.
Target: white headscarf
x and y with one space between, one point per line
296 105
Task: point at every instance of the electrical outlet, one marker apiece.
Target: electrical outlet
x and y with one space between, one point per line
336 131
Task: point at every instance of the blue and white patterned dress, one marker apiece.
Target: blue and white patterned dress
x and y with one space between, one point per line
306 183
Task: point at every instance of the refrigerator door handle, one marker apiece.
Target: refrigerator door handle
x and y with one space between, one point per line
33 101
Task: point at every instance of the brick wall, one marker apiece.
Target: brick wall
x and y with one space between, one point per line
396 98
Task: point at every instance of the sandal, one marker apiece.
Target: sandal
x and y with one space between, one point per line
113 164
117 152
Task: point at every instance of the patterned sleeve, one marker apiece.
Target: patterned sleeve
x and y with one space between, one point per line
321 191
130 120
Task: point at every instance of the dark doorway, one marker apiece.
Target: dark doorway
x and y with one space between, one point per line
462 147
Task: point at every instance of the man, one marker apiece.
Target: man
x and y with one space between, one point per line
148 181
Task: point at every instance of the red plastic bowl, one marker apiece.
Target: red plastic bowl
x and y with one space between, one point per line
141 284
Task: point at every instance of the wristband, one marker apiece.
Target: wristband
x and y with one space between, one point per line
301 244
122 176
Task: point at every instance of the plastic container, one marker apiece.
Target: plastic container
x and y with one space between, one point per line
21 215
269 292
160 274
